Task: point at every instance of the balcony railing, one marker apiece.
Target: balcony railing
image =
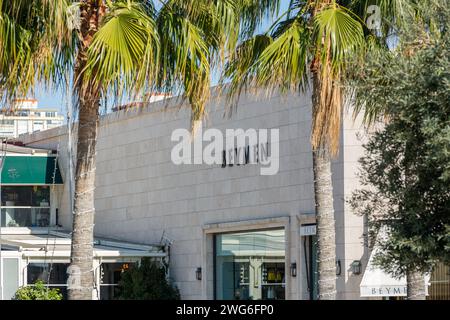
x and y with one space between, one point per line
25 216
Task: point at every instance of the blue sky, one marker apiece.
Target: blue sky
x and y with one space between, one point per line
54 98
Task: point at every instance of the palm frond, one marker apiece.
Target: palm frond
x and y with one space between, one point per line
338 34
229 20
253 12
284 63
240 66
126 39
35 44
184 59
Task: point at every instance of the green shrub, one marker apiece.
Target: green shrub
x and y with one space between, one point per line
146 282
38 291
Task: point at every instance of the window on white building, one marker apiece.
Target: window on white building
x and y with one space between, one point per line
25 206
53 274
110 277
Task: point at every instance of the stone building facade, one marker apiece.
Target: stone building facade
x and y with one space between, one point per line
212 214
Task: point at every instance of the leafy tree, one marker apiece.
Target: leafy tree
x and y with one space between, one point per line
147 282
38 291
406 167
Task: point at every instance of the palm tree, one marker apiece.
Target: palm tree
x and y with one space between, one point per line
115 48
313 40
313 44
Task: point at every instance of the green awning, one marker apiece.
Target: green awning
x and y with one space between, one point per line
30 170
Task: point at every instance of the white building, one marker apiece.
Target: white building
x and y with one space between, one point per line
33 244
24 116
234 233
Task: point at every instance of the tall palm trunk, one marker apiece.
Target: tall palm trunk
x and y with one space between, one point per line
415 285
323 194
81 275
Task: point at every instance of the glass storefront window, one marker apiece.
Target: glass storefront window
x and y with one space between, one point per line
25 217
110 277
26 196
250 265
55 275
25 206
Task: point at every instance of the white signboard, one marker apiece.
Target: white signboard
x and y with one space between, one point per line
308 230
383 291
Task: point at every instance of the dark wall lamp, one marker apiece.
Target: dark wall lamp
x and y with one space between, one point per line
198 273
294 269
338 268
356 267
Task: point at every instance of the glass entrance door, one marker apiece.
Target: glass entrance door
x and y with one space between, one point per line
250 265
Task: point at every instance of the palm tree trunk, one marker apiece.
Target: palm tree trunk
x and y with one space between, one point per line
415 285
326 243
81 274
83 215
326 234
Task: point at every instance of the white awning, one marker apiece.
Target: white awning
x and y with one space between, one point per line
377 283
57 243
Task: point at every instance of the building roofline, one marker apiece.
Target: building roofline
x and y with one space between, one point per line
169 104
